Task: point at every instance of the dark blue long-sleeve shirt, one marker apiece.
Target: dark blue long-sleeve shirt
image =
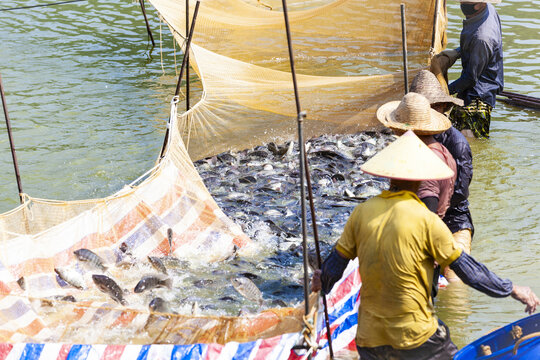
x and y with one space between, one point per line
481 53
472 272
458 216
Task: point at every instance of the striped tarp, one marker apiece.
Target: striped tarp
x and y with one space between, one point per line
342 306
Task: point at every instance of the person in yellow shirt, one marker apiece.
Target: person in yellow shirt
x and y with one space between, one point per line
396 240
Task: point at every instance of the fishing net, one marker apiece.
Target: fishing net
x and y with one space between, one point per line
349 60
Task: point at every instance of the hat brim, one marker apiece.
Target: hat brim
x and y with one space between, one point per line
387 116
443 98
407 158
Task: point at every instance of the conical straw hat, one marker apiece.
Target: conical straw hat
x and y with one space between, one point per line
407 158
414 113
426 83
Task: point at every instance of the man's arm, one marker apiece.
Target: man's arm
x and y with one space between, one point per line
479 277
331 271
432 203
470 74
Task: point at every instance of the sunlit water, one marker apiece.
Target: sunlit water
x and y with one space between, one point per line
88 103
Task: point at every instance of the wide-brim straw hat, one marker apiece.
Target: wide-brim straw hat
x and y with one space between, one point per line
426 83
407 158
414 113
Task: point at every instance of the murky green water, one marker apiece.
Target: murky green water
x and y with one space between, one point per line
88 105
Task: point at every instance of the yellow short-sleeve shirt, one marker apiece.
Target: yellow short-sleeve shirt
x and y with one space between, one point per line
396 239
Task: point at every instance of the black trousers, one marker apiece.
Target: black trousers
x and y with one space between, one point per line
438 347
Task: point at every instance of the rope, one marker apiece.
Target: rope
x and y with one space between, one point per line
161 47
527 337
35 6
310 335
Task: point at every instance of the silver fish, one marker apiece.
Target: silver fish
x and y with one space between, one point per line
247 288
152 281
169 237
22 282
90 257
73 278
159 305
157 264
110 287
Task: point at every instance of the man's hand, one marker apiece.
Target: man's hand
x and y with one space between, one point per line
316 284
451 54
525 295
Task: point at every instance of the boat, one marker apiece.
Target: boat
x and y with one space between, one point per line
517 340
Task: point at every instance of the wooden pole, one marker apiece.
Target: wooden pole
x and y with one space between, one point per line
146 22
188 44
404 41
318 251
300 117
11 145
303 175
182 68
187 56
435 22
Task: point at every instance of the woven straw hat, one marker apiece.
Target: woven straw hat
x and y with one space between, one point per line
407 158
414 113
426 83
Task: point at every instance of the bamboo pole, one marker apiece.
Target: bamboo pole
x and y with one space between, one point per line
300 117
11 145
148 30
404 41
318 251
187 56
182 68
435 23
304 175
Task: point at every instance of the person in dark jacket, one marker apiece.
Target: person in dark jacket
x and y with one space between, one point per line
482 78
457 217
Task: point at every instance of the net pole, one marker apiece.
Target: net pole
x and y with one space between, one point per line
404 42
318 251
11 145
148 30
187 56
300 118
188 44
435 23
182 68
303 164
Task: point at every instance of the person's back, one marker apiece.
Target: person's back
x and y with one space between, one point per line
458 216
396 239
442 190
481 50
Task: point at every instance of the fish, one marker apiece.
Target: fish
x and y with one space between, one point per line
149 282
90 257
109 287
170 239
157 264
22 282
247 288
159 305
72 277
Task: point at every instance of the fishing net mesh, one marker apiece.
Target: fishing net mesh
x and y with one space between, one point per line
348 59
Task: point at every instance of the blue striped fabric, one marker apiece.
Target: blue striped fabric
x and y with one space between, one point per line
79 352
31 351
